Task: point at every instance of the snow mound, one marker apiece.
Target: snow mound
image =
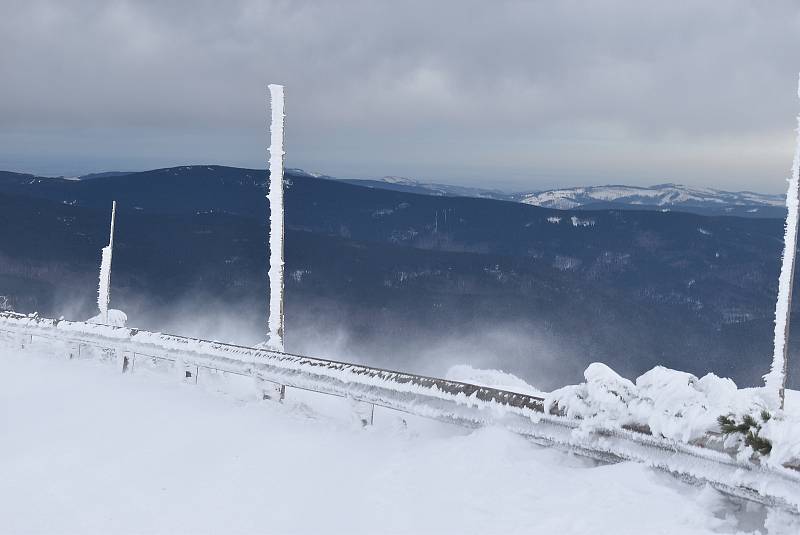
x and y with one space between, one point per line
501 380
678 406
116 318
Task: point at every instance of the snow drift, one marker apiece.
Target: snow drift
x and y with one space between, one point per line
677 406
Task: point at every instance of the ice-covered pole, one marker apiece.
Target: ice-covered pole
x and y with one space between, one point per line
276 233
104 289
775 380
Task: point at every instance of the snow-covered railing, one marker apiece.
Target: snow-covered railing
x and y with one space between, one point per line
392 389
445 400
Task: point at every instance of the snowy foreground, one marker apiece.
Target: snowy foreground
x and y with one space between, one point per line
85 449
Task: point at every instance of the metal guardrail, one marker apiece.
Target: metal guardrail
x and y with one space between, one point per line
378 386
441 399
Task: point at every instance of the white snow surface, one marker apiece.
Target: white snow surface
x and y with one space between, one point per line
777 375
86 449
793 402
275 197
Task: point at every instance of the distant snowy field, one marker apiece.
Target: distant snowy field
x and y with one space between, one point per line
85 449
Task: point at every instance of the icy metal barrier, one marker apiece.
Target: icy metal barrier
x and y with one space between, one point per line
449 401
392 389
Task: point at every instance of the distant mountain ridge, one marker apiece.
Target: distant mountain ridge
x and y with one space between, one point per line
664 197
409 185
104 174
660 197
400 279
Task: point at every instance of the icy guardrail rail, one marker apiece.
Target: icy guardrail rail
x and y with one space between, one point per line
445 400
363 383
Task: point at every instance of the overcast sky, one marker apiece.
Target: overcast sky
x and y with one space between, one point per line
513 95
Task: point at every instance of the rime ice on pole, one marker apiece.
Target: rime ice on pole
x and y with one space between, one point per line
275 196
775 380
108 316
104 289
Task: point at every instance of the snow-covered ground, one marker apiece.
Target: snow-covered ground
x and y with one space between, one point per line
85 449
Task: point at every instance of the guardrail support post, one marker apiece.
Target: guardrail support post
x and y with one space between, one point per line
365 412
25 340
127 359
269 390
190 373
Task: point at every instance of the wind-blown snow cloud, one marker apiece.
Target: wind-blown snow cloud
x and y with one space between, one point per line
505 94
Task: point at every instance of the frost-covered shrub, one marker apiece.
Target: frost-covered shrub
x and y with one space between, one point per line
771 438
663 402
679 406
748 428
604 396
782 431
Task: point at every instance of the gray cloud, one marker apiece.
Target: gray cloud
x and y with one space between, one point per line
508 94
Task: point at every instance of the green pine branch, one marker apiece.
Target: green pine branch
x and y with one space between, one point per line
749 428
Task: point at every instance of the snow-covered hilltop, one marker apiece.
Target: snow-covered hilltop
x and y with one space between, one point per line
663 195
704 201
410 185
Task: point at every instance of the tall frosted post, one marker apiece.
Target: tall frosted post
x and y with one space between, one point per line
104 289
775 380
276 232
